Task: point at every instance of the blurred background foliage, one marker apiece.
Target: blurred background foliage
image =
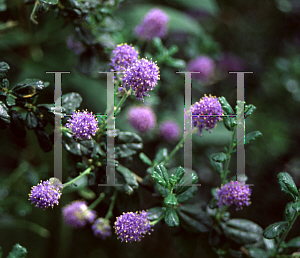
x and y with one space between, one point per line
259 36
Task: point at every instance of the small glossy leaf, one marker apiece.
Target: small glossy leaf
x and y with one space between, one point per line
158 179
287 185
225 106
295 242
4 68
219 157
4 116
296 206
162 171
193 218
217 166
249 109
177 63
289 212
252 136
171 217
17 252
128 176
171 200
145 159
10 100
213 203
31 120
186 182
229 122
269 243
127 144
155 213
188 194
4 85
17 125
43 139
71 101
163 191
161 155
157 43
179 174
274 230
80 147
28 88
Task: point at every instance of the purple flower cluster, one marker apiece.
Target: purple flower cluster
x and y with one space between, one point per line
234 193
123 56
141 118
46 193
154 24
101 228
206 113
75 46
132 227
169 130
77 214
203 64
83 124
141 77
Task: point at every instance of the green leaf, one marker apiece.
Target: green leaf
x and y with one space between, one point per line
80 147
189 193
171 217
269 243
10 100
193 218
296 206
4 67
155 213
229 122
249 109
17 125
287 185
43 139
158 44
71 101
219 157
217 166
53 2
225 106
185 182
163 191
162 171
161 155
28 88
258 253
31 120
87 193
127 144
17 252
128 176
289 211
4 84
158 179
274 230
252 136
179 173
295 242
171 200
4 116
145 159
213 203
177 63
242 231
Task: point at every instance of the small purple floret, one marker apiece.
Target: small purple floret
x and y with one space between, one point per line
101 228
77 214
234 193
141 118
169 130
132 227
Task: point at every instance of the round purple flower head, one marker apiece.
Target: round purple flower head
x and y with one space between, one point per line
141 77
154 24
75 46
169 130
83 124
46 193
203 64
101 228
132 227
206 113
123 56
77 214
234 193
141 118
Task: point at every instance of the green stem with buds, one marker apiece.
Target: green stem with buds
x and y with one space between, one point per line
157 220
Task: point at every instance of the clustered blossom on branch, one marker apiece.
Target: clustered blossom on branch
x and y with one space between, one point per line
77 214
235 193
101 228
46 193
154 24
83 124
206 113
141 118
132 226
169 130
203 64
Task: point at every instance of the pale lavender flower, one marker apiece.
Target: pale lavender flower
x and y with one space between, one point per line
141 77
101 228
132 227
234 193
203 64
46 193
169 130
77 214
142 118
154 24
206 113
83 124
